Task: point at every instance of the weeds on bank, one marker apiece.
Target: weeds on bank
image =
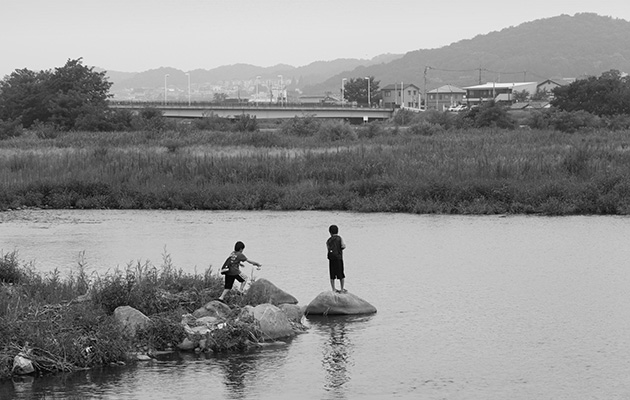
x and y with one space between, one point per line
66 323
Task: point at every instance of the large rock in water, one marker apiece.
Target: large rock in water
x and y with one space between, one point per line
332 303
270 293
272 321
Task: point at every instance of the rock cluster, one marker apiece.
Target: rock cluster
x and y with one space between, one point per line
279 318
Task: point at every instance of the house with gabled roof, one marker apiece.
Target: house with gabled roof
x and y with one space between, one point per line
547 86
401 95
444 97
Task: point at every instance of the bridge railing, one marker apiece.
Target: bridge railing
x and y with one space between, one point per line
240 105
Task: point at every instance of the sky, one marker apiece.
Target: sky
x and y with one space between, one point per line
138 35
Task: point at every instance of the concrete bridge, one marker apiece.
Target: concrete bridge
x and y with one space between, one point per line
275 111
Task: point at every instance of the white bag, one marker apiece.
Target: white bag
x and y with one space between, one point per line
22 365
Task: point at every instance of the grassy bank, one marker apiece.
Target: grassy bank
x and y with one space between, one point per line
472 171
65 323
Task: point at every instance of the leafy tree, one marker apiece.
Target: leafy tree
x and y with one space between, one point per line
24 95
356 89
520 96
10 129
540 95
489 114
76 90
60 97
604 96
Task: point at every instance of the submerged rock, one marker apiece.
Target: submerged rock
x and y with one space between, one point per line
333 303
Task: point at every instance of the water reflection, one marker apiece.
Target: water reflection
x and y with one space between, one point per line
62 386
337 350
238 372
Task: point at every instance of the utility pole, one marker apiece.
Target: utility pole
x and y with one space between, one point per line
426 68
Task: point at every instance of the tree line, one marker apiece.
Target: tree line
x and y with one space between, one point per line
75 97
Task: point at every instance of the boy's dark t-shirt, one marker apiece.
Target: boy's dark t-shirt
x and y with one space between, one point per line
233 263
335 251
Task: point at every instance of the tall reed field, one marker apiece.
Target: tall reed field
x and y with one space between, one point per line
371 168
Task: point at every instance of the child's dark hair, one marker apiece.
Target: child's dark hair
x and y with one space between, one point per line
333 229
239 246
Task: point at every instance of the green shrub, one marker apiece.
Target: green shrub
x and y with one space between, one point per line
234 334
442 119
332 131
211 123
617 122
425 128
304 126
245 123
572 121
9 129
163 332
45 131
371 130
404 117
149 119
10 270
491 114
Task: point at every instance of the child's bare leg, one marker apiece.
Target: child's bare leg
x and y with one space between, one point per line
342 282
332 284
225 292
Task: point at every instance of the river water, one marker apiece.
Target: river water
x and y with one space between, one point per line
469 307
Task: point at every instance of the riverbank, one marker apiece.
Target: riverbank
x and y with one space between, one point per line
475 171
67 323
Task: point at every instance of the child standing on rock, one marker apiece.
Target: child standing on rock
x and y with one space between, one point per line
232 269
335 246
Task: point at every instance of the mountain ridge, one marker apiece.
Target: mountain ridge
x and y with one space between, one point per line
562 46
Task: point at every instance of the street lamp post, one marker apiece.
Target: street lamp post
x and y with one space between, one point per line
343 88
165 90
280 91
368 92
188 74
257 84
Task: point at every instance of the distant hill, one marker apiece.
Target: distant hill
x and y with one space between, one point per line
312 74
562 46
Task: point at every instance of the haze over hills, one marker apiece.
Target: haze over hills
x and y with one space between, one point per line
562 46
313 73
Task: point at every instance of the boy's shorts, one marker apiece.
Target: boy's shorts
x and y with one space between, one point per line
229 280
335 269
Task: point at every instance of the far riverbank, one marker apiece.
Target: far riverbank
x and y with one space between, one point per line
489 171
